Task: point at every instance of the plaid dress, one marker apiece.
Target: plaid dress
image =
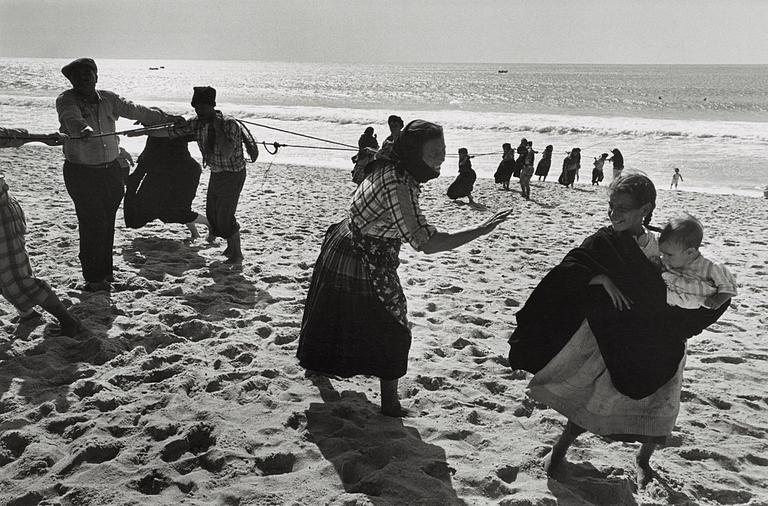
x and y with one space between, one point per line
355 318
17 282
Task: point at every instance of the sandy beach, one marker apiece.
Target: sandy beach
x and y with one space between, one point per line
186 390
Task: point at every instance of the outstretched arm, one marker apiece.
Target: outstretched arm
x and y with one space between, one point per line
445 241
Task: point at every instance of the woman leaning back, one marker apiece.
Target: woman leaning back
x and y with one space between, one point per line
355 319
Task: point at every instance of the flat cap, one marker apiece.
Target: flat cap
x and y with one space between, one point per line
80 62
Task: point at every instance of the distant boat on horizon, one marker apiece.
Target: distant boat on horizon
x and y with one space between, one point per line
503 71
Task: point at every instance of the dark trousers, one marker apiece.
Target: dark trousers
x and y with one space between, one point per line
96 192
221 202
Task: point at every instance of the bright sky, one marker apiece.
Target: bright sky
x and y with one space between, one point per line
497 31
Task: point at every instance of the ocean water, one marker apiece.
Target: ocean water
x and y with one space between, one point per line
711 121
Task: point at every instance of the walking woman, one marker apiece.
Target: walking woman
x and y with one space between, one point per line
542 169
504 172
355 319
464 183
571 166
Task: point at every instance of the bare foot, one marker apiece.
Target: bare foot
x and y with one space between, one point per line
552 461
235 259
395 410
644 473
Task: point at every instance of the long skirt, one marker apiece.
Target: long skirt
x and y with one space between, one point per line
577 384
355 315
462 185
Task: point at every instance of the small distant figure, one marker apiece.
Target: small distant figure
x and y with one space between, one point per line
522 149
676 178
597 171
618 162
526 173
465 181
571 166
367 147
395 124
504 172
692 280
542 169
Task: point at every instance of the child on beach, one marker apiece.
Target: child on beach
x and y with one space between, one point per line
526 173
613 362
676 177
692 280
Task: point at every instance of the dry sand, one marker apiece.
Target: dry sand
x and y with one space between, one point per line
187 391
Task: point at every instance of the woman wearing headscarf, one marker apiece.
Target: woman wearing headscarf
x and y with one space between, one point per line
504 171
618 162
367 147
355 318
464 183
571 166
522 150
542 169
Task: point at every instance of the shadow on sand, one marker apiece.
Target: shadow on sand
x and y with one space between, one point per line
377 455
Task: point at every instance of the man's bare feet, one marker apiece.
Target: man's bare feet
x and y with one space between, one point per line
395 410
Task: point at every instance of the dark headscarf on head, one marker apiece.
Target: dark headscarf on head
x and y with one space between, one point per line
409 147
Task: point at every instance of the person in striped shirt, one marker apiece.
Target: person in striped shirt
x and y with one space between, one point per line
693 281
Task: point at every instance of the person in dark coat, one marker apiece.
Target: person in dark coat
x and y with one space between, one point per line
542 169
367 147
465 181
522 150
571 166
164 185
618 162
504 171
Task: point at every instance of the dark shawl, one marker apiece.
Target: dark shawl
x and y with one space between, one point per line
641 347
542 169
163 185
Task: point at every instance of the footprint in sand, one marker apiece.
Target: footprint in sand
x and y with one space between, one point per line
94 451
276 463
12 446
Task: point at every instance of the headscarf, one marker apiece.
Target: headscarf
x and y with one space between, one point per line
409 147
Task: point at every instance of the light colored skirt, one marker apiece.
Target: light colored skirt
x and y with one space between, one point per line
577 384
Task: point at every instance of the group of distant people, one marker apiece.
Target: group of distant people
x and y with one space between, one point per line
96 172
640 295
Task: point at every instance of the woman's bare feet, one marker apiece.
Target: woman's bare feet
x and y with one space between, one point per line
643 465
553 460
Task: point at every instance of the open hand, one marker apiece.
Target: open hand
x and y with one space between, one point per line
495 220
620 301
